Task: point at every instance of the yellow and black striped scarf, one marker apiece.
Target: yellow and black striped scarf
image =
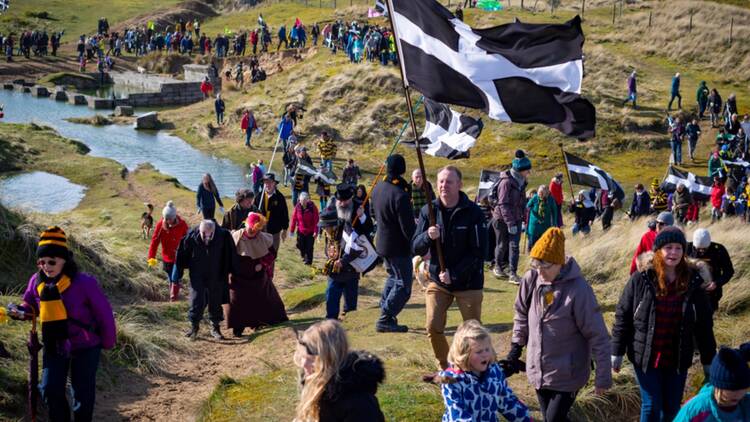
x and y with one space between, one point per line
52 312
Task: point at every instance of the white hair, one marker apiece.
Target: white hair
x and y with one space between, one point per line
207 225
304 195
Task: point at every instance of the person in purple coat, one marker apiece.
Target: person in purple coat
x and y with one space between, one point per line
77 323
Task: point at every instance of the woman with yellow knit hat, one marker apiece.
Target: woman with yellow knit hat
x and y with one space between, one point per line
77 323
558 320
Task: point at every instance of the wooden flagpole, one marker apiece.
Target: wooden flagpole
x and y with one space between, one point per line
567 171
407 94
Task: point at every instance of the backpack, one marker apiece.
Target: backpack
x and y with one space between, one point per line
493 198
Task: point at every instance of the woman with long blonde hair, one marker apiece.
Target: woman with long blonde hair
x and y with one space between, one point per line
337 384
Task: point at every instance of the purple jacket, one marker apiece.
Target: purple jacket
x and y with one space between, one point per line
86 304
561 337
511 203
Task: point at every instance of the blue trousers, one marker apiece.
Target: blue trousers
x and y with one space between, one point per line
346 284
677 151
661 393
583 228
397 289
248 135
327 163
82 366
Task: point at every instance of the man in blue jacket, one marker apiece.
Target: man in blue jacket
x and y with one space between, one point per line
675 92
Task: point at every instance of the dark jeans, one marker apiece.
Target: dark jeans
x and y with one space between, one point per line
397 289
203 293
219 117
305 244
607 215
208 213
676 151
661 393
702 108
82 365
507 248
169 269
555 405
346 284
679 101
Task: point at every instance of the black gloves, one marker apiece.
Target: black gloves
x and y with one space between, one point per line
513 364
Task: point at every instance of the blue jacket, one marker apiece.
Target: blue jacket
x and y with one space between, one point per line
282 33
703 408
285 128
641 204
470 398
675 85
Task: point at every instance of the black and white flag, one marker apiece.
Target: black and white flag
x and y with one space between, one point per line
699 186
487 179
584 173
517 72
448 133
4 5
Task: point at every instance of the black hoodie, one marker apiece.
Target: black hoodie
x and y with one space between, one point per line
350 396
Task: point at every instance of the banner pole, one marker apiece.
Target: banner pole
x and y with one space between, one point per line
425 186
567 171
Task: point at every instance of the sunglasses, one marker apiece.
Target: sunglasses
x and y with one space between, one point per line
47 262
310 351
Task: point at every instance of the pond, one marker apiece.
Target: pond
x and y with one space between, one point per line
167 153
40 192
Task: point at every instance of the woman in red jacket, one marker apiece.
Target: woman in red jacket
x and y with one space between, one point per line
168 233
206 88
305 222
717 193
248 124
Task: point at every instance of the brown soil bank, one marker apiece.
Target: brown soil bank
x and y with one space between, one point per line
189 10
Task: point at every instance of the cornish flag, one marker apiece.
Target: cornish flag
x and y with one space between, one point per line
487 179
699 186
584 173
4 5
447 133
517 72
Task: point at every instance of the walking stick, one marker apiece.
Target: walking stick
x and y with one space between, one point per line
34 347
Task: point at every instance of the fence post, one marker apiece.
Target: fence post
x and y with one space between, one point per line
622 4
614 11
649 19
690 25
731 30
583 8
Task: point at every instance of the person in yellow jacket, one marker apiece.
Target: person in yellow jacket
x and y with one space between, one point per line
327 148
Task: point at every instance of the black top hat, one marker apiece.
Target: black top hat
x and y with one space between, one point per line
344 191
271 177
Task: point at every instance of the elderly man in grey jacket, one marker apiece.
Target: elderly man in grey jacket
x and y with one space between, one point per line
559 321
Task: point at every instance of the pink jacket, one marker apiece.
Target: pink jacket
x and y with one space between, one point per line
305 221
562 327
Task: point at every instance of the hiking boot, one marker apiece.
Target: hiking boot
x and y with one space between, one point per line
192 333
237 332
499 273
513 278
216 332
390 326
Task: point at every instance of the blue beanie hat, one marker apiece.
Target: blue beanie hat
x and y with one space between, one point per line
729 370
521 162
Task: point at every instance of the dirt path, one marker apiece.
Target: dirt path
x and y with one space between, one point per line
178 392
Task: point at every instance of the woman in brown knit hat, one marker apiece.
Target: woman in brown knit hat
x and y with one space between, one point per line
558 320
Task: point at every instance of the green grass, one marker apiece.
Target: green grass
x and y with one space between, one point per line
77 20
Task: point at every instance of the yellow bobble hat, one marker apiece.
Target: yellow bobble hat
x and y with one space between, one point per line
53 243
550 247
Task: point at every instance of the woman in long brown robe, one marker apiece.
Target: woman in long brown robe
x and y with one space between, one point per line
253 300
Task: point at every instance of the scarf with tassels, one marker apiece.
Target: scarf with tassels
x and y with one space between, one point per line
52 313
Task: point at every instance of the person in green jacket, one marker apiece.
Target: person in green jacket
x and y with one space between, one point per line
715 165
701 96
542 214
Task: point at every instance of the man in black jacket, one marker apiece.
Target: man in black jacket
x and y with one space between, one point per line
462 232
718 260
207 252
272 204
391 205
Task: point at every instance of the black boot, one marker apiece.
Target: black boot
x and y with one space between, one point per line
192 333
390 325
238 331
216 332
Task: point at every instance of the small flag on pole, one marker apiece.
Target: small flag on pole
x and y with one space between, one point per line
585 173
699 186
448 133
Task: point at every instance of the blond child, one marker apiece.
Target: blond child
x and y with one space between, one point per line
474 386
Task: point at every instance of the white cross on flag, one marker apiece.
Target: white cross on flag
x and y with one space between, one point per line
699 186
4 5
517 72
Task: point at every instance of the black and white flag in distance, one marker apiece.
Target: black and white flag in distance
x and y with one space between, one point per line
447 133
487 179
4 5
517 72
585 173
699 186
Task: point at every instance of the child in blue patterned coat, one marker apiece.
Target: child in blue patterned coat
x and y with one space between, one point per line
474 387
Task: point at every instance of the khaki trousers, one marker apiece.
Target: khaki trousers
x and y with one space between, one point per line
437 302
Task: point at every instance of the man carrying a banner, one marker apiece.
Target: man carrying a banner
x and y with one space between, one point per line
462 233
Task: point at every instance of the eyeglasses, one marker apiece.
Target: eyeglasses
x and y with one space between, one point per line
47 262
541 265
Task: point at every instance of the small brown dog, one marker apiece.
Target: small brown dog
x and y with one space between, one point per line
147 222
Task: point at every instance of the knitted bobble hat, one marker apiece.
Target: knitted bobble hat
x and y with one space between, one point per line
729 370
53 243
521 162
169 210
670 235
550 247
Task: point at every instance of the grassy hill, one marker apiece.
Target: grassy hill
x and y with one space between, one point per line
155 373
